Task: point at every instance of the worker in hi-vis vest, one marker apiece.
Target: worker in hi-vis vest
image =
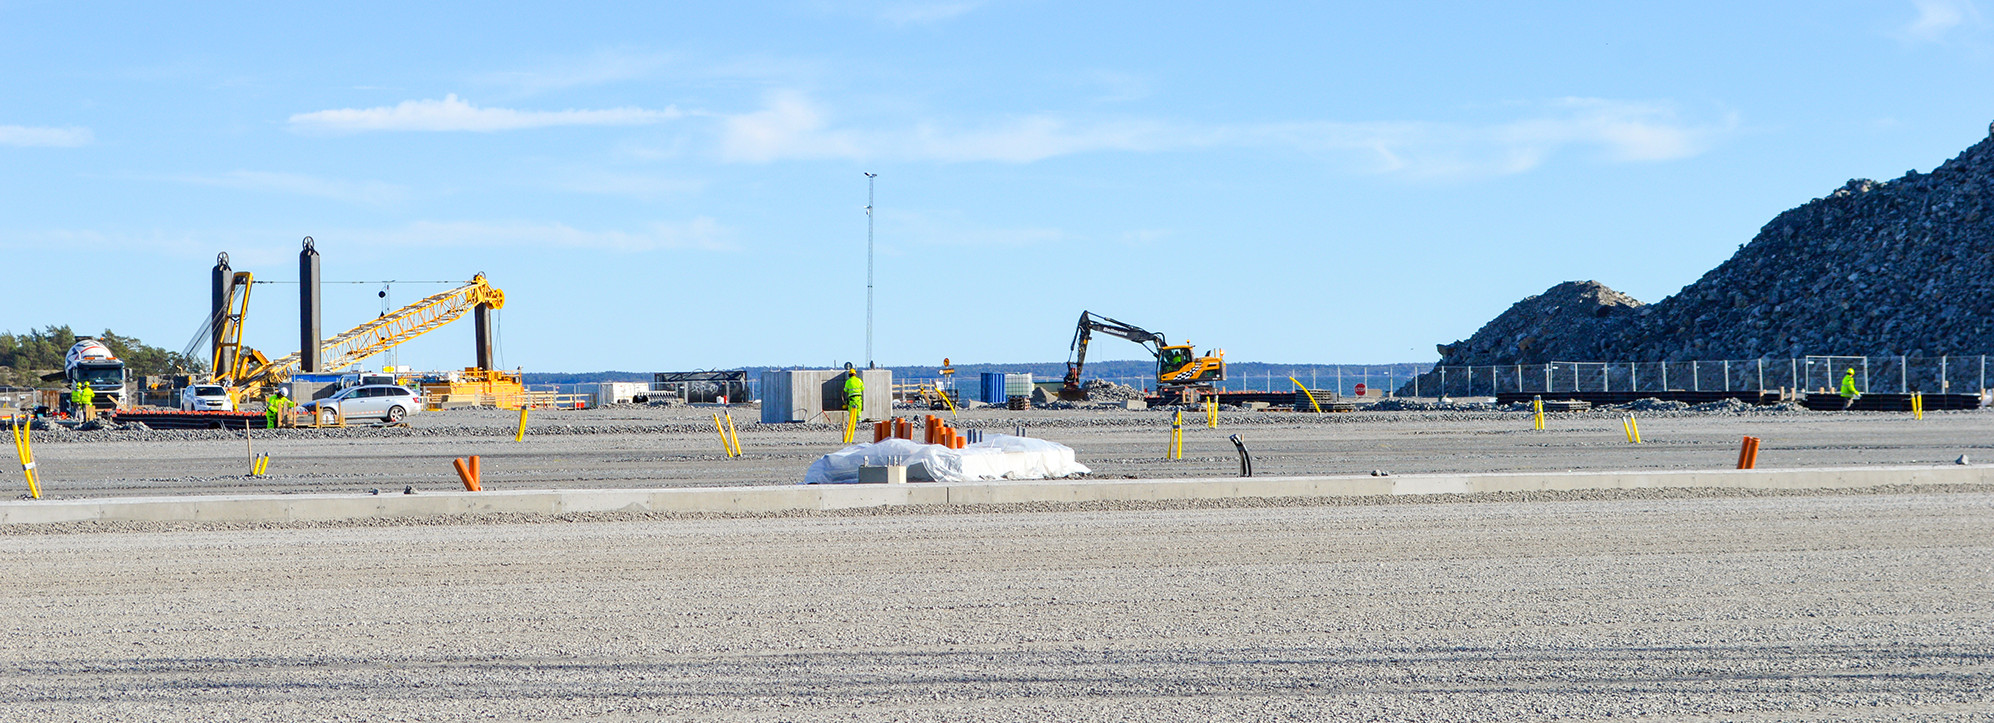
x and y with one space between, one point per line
1849 393
84 400
277 409
854 392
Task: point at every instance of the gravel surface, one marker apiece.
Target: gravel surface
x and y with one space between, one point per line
1783 607
635 446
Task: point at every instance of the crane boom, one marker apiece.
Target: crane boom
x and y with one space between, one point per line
381 334
393 328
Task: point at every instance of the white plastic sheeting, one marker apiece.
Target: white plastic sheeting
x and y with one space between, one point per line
998 456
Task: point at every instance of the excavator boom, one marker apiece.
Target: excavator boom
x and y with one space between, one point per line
1176 364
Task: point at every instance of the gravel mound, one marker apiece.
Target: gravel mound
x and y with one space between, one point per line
1874 268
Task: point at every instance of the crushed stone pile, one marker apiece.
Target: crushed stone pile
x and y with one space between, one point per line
1876 268
1102 390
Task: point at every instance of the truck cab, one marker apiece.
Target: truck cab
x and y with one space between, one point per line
90 362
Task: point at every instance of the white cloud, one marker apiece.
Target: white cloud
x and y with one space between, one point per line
702 233
790 126
374 192
69 137
451 114
1936 18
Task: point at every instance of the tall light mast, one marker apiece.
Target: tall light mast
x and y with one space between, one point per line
868 268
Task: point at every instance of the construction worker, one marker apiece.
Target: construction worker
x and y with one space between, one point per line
84 401
1849 393
276 409
854 392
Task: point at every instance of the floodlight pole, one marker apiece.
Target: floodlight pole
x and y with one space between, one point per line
868 268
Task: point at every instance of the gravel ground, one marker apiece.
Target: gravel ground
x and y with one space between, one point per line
1779 607
635 446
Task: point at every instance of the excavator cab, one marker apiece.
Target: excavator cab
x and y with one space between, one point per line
1178 364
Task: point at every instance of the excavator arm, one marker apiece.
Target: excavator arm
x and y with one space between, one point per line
1091 322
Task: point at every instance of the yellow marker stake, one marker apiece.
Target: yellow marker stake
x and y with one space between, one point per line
1634 425
1918 405
733 435
1311 395
24 449
1538 423
1177 436
520 436
1212 414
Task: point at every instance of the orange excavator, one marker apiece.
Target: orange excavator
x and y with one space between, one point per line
1177 365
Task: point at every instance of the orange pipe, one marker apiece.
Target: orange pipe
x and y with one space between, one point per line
1748 453
464 473
478 471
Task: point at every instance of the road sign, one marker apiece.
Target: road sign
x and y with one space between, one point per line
1360 389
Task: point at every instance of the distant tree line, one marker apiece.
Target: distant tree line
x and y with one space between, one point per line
25 357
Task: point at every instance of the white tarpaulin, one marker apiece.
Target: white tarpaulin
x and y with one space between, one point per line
998 456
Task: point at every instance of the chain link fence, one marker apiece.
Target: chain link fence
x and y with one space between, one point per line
1874 375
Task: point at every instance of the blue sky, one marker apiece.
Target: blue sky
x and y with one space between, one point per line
680 186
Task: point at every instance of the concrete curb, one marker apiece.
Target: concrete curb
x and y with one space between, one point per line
778 498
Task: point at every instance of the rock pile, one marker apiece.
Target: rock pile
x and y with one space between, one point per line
1874 268
1102 390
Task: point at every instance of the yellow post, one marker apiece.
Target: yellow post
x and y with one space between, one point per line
520 436
1538 403
1634 426
733 435
1177 436
1918 405
24 449
1311 395
1212 413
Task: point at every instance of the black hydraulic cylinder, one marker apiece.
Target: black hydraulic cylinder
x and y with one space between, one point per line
482 317
224 278
308 307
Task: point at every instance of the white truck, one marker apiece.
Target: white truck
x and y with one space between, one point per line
90 362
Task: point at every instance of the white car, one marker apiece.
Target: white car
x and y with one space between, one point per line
386 402
206 398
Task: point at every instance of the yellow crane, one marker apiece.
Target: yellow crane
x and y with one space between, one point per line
248 371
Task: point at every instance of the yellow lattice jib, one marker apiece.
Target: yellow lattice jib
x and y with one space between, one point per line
350 348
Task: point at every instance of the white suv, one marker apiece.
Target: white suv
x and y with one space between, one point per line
205 398
386 402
